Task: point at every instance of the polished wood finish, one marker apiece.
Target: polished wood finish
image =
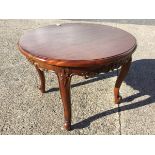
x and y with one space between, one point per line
64 84
42 79
78 49
76 45
120 78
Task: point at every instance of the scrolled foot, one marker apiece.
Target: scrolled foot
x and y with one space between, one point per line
42 89
117 96
67 126
118 99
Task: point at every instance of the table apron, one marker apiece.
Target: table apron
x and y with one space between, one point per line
83 71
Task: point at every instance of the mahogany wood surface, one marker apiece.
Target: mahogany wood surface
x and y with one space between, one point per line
78 49
76 44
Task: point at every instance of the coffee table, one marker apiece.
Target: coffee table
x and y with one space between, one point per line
78 49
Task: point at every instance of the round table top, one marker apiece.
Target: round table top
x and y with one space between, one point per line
76 44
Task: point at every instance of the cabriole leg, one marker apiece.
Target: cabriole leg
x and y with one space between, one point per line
64 85
42 79
123 72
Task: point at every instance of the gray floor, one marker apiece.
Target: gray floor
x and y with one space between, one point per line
24 110
122 21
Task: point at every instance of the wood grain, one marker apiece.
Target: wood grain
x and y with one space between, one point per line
76 44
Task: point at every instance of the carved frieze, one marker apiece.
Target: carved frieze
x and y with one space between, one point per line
67 72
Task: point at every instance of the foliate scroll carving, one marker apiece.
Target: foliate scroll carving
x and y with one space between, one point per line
115 65
102 69
31 61
64 74
36 64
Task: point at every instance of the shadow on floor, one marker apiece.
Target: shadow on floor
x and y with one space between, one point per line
87 81
141 77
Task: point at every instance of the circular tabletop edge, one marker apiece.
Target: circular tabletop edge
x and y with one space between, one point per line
74 63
